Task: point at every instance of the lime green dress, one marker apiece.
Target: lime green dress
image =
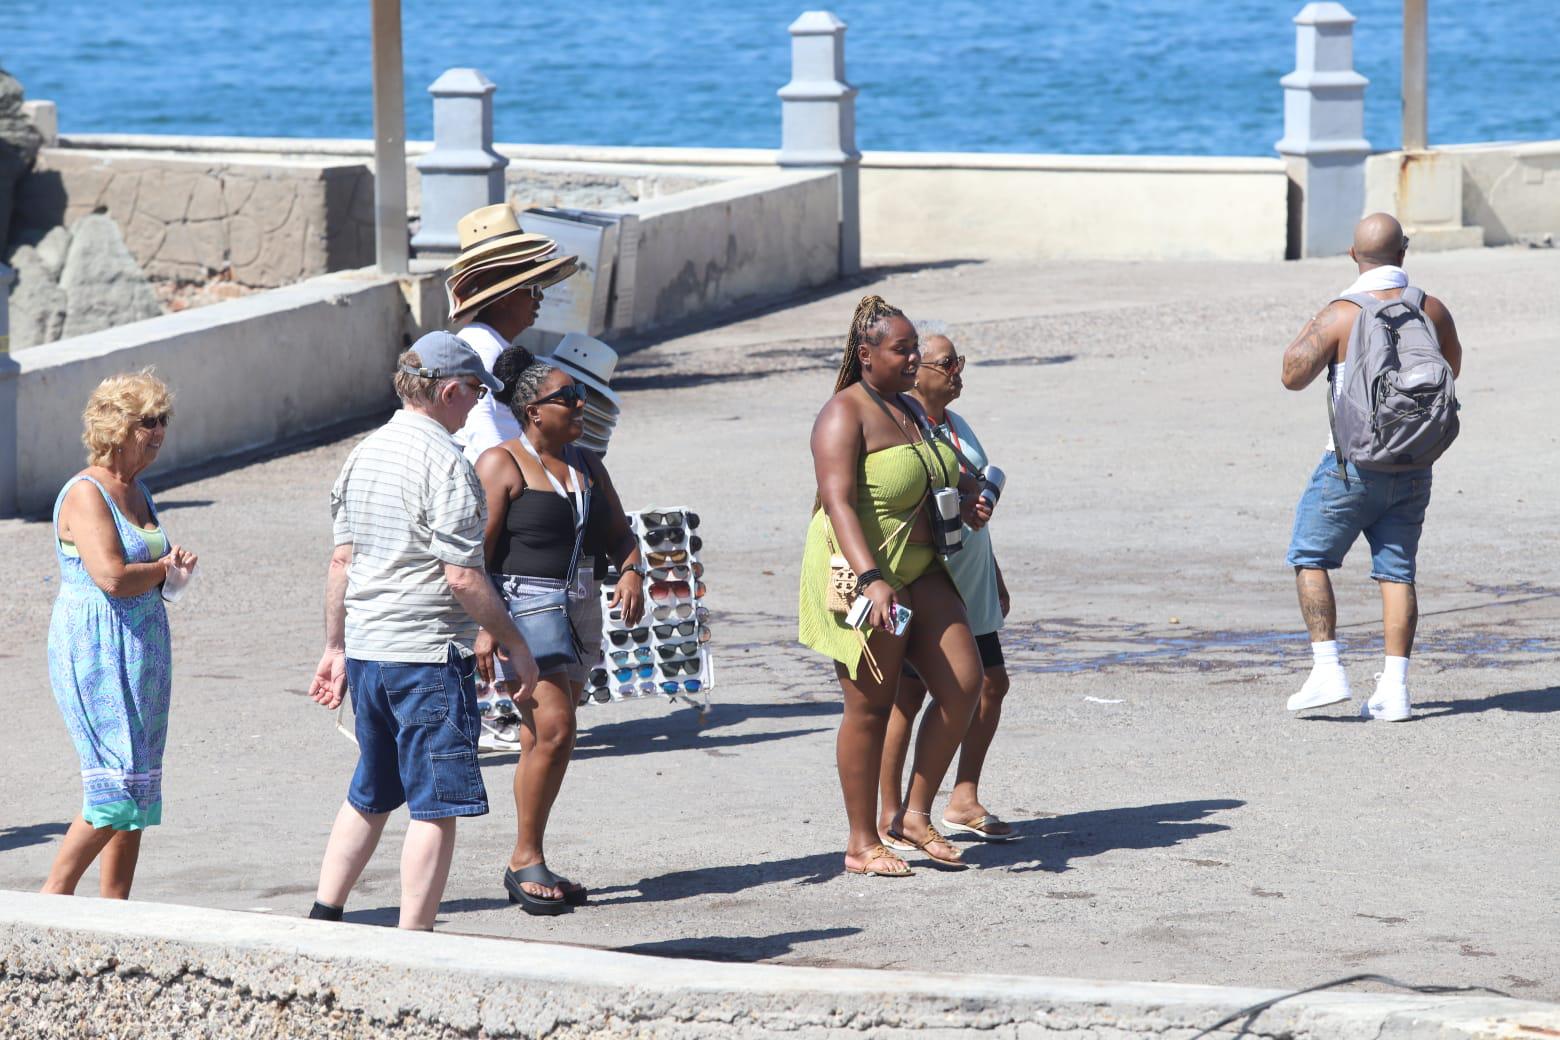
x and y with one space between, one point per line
890 486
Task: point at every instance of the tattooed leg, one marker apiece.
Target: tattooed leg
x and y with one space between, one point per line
1317 605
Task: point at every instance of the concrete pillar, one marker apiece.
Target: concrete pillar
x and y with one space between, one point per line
1416 57
1324 142
390 248
8 378
818 120
463 172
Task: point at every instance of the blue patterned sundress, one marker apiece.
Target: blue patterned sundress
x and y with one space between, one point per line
111 666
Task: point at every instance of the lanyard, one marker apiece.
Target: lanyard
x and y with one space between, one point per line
577 498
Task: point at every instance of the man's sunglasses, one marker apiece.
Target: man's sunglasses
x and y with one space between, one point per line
689 685
571 396
671 650
622 637
677 573
623 658
689 667
644 671
665 536
684 628
151 422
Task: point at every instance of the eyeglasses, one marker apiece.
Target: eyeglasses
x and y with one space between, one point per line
622 637
478 387
680 572
665 536
689 685
661 559
675 518
948 365
622 657
688 667
571 396
624 675
151 422
671 650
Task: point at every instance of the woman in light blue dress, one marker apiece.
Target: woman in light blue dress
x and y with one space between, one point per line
110 660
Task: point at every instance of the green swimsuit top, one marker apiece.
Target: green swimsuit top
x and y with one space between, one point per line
156 543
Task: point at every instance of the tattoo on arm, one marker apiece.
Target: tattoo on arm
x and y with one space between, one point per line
1308 354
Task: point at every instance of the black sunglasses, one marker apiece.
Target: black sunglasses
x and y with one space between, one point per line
686 628
689 667
665 536
571 396
621 638
671 650
670 519
151 422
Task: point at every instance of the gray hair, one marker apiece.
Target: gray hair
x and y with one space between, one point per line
415 389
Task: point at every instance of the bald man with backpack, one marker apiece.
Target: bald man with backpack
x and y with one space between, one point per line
1391 354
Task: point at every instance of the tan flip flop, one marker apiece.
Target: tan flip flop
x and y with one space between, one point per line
874 854
978 826
933 837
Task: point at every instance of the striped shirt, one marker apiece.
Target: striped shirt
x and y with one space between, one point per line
408 502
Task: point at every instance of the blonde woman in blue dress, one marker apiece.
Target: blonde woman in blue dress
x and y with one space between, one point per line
110 657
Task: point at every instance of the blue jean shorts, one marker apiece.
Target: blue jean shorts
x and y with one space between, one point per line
1388 508
417 727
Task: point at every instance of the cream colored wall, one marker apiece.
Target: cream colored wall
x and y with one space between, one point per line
933 206
1509 190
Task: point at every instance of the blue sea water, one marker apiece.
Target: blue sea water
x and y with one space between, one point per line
1088 76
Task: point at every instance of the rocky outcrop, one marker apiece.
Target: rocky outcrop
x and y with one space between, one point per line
19 144
103 284
38 304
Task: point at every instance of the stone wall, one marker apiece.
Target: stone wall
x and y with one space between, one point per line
74 967
271 222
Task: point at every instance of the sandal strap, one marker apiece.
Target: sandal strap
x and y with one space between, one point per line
883 852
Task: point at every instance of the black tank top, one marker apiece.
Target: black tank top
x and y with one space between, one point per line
537 538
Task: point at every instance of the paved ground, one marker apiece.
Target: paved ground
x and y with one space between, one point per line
1177 824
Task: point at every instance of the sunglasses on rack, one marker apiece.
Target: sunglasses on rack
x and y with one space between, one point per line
671 650
681 572
685 628
687 685
571 396
631 690
679 610
601 696
623 637
598 677
665 535
151 422
661 559
672 518
675 590
622 657
671 669
644 671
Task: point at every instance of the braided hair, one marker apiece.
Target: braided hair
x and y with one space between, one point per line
871 311
522 375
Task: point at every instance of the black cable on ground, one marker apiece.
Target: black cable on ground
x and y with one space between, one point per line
1256 1009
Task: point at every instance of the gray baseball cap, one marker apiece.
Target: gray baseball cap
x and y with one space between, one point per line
446 356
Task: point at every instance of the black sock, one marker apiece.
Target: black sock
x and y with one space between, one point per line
325 912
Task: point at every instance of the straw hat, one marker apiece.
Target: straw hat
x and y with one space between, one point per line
591 362
496 258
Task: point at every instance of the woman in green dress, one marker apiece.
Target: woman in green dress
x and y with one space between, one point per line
875 471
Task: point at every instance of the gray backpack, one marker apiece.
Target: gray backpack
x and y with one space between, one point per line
1397 408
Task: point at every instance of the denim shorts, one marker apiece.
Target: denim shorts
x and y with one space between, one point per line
416 730
1388 508
584 613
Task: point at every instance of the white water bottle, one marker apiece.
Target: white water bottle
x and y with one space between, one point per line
993 480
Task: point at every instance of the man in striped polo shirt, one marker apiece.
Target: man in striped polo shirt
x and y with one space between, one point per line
405 593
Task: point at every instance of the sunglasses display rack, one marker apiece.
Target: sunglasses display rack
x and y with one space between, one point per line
668 652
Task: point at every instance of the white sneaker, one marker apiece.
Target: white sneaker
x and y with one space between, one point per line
1389 703
1325 685
499 734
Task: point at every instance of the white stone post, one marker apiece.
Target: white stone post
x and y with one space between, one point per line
9 434
818 120
463 172
1324 142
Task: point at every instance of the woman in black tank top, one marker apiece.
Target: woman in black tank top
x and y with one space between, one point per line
537 485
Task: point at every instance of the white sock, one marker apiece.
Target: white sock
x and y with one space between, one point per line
1395 671
1325 654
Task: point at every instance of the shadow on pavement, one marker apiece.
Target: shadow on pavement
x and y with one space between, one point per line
1052 844
31 834
1537 701
739 948
681 731
726 880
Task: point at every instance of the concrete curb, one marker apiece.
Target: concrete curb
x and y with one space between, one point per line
147 969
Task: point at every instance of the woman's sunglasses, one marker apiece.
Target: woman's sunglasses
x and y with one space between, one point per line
151 422
680 572
685 628
624 675
598 677
630 690
622 657
675 590
948 365
571 396
623 638
679 610
688 685
672 668
671 650
661 559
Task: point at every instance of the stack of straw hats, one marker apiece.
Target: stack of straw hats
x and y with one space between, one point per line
591 362
497 258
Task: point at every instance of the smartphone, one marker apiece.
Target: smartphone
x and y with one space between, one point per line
901 619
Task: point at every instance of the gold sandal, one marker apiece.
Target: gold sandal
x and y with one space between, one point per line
932 837
872 855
